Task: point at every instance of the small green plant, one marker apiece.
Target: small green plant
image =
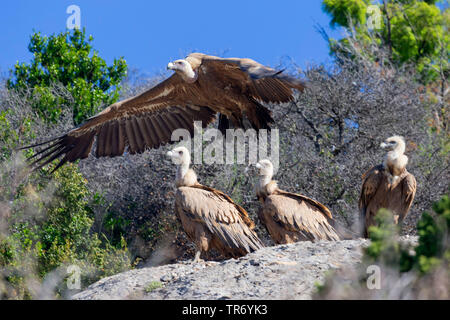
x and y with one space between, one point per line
153 286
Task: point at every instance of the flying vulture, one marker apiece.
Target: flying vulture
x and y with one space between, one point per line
209 217
201 87
388 185
291 217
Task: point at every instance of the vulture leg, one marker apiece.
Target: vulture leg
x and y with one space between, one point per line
197 257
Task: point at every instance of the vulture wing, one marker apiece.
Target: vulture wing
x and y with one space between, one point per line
244 92
301 214
371 181
222 217
408 192
311 202
141 122
259 82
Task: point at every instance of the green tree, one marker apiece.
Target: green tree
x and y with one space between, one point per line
68 59
414 31
48 221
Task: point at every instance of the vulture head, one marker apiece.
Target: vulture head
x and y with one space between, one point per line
265 168
180 156
395 143
183 68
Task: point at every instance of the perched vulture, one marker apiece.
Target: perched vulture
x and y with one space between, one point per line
209 217
291 217
388 185
201 87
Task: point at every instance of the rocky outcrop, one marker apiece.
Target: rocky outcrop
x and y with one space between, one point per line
280 272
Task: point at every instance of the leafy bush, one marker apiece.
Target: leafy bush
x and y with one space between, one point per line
69 59
415 32
47 222
407 271
49 228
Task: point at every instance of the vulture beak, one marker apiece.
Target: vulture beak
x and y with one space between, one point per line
169 153
258 166
170 66
383 145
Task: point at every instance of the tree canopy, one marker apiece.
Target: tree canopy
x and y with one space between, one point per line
68 59
415 31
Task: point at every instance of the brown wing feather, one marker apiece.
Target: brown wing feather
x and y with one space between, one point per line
221 216
242 213
296 213
320 207
371 181
262 83
142 122
409 185
244 92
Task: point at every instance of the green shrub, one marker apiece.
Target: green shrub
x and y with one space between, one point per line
422 271
433 247
50 229
68 59
434 237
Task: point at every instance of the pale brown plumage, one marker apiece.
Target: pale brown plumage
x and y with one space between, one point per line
291 217
209 217
388 185
201 87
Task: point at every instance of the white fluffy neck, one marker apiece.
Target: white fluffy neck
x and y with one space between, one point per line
399 149
189 75
264 180
182 169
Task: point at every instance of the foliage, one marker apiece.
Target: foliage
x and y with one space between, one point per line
381 237
46 221
415 31
434 237
152 286
409 271
68 58
433 245
342 10
50 228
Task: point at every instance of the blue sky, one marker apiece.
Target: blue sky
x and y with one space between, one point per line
149 34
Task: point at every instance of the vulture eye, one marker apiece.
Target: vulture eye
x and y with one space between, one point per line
180 152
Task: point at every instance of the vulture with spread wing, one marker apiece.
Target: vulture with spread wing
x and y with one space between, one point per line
291 217
201 87
388 185
209 217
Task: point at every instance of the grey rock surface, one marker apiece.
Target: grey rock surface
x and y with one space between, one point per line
279 272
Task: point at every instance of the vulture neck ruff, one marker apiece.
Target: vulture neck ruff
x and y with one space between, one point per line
185 177
265 180
188 74
395 163
266 186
